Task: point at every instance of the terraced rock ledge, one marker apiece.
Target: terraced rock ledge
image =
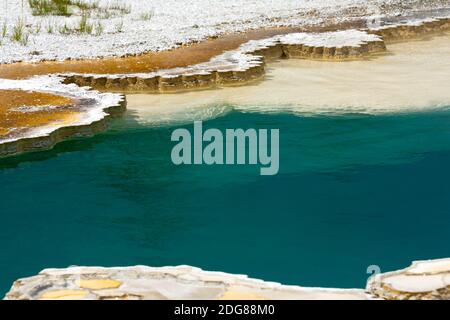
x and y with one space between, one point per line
412 29
248 62
40 112
240 66
423 280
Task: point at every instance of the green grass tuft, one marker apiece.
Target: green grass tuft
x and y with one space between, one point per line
19 33
50 7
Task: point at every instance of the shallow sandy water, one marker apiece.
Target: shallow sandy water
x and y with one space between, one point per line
413 76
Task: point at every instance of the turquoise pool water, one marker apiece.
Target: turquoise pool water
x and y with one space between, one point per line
353 191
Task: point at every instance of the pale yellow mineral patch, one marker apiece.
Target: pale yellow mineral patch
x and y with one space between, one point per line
239 294
63 295
98 284
122 297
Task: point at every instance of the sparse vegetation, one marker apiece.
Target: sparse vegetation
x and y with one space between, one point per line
50 27
86 10
99 29
112 10
4 30
50 7
65 29
19 33
122 8
85 26
70 7
60 7
119 26
146 16
37 28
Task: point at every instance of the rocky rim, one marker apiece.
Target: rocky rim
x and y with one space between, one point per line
425 280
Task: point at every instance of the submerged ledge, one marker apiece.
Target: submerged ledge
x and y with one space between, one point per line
412 78
247 63
423 280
